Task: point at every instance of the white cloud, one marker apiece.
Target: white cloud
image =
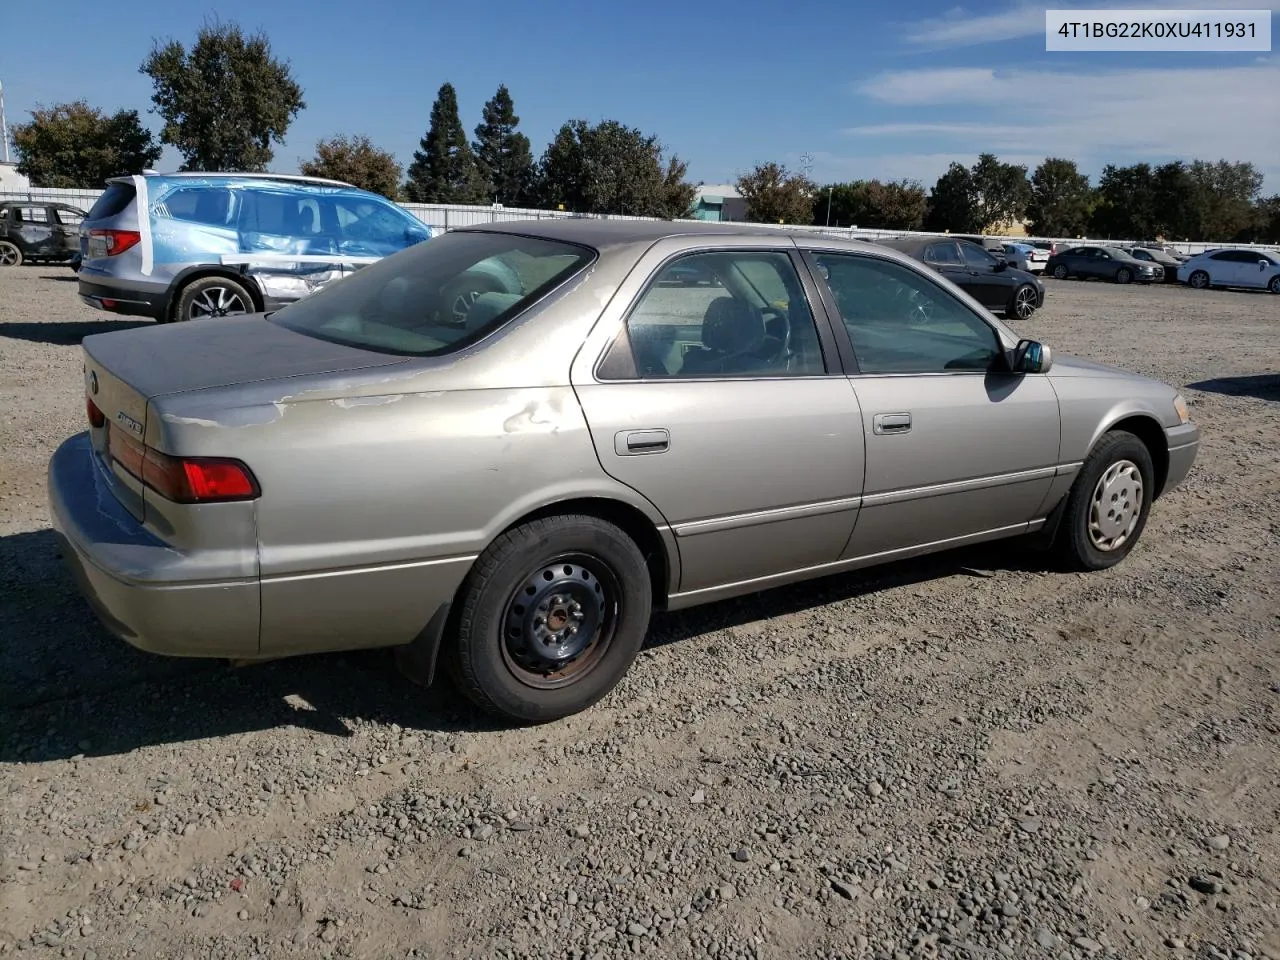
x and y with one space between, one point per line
1118 116
962 27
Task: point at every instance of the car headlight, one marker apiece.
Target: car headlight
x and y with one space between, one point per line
1180 406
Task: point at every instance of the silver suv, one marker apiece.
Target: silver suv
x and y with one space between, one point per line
185 246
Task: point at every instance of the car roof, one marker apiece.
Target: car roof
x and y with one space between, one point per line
232 175
606 233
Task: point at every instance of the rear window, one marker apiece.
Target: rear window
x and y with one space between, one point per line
436 297
114 199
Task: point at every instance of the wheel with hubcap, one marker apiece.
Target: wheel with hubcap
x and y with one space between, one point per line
1124 275
1060 272
550 618
1199 280
10 255
1274 285
211 297
1108 505
1024 302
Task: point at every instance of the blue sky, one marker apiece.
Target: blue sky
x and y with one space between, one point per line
868 89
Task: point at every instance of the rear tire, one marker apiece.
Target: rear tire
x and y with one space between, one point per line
211 297
1060 272
1199 280
551 617
1274 285
1108 505
1124 275
10 255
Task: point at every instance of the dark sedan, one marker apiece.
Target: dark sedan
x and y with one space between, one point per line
1159 256
1102 263
987 278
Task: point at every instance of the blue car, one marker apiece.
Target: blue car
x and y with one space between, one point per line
186 246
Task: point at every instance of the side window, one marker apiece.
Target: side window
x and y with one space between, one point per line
901 322
368 223
723 314
975 256
943 253
209 206
33 215
1224 255
68 217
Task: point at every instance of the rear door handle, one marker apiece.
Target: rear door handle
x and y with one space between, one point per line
883 423
632 443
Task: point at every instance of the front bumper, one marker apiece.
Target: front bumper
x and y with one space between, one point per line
1184 444
148 593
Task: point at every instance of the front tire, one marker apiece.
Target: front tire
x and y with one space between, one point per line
1108 505
1124 275
1274 285
1199 280
1023 304
551 618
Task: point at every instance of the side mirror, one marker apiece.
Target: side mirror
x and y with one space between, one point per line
1002 263
1263 264
1031 356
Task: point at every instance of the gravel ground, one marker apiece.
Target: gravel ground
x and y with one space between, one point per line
966 756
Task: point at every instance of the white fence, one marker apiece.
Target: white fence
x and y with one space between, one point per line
448 217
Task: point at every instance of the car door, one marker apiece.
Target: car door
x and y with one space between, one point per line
956 450
724 404
1224 268
35 228
68 220
994 284
944 257
1248 273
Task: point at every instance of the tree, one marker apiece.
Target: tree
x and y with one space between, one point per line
899 205
1226 193
1126 208
1176 202
775 195
357 161
1001 191
953 202
1266 221
1060 199
75 145
612 168
226 101
444 168
502 154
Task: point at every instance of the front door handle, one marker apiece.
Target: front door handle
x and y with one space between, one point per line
884 423
631 443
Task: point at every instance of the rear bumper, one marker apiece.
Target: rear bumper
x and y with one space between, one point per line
1184 444
145 591
129 301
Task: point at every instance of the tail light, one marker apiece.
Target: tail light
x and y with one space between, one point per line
183 479
96 417
117 241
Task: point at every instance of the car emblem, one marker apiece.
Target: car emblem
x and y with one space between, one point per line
93 382
133 425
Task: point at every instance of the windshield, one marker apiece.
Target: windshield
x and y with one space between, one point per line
437 296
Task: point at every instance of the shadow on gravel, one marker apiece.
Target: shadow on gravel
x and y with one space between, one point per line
1264 386
60 277
67 687
65 332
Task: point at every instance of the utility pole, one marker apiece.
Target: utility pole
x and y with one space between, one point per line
830 187
4 127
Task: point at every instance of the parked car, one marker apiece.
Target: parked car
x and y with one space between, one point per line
1157 255
1102 263
993 245
1248 269
514 494
986 278
187 246
1026 256
38 231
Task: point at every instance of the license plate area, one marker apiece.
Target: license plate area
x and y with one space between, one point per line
98 247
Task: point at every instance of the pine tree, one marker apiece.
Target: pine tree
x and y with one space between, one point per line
443 168
503 155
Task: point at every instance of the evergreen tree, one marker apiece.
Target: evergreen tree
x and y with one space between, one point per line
444 168
503 155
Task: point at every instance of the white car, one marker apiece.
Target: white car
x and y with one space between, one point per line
1026 257
1253 269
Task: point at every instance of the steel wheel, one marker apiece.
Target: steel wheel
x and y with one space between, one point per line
1116 506
1024 303
1060 272
1199 280
10 255
559 623
217 301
